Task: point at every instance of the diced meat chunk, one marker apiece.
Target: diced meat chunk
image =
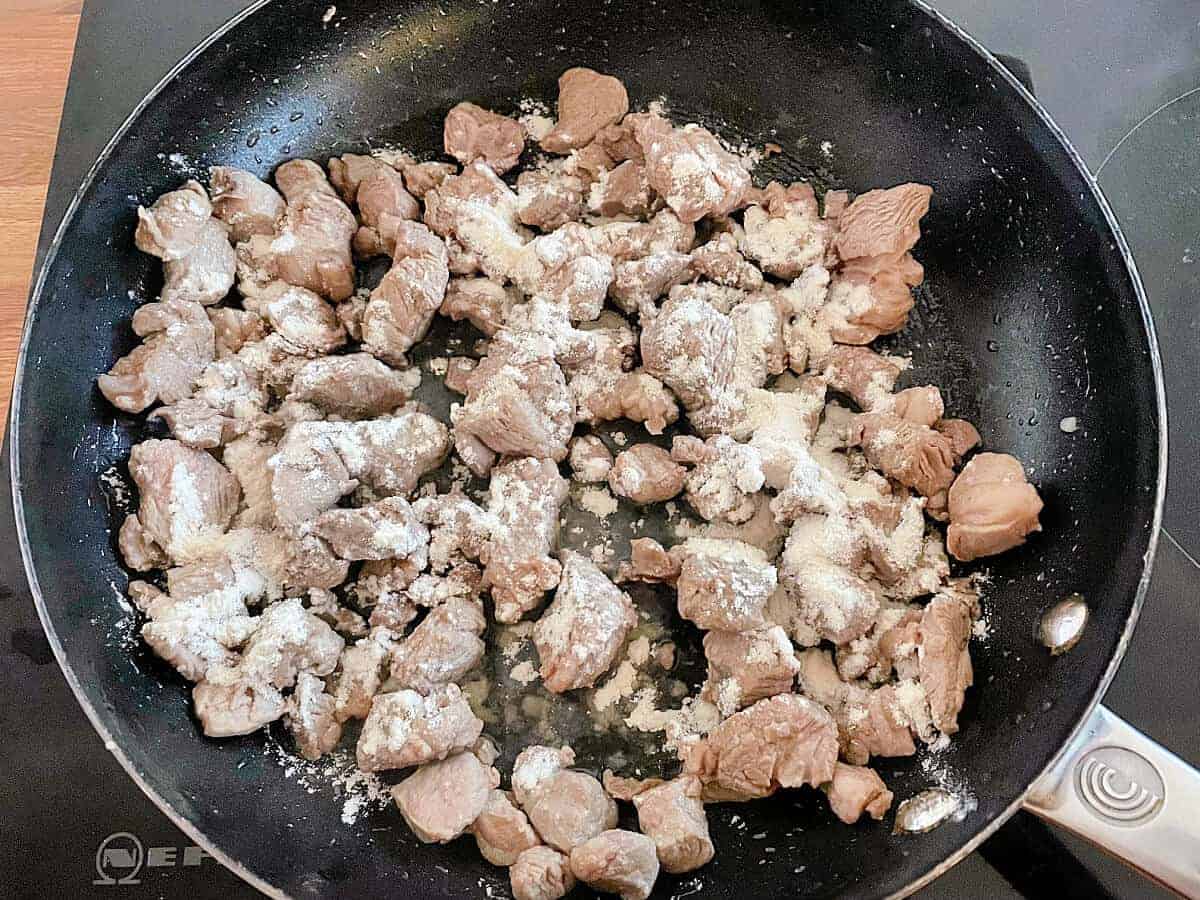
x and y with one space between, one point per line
234 328
664 233
187 497
648 561
623 191
311 718
406 729
502 831
690 169
719 261
724 478
533 766
302 318
578 636
992 507
517 401
567 268
691 348
618 862
388 529
355 386
645 473
637 283
525 496
782 741
962 434
549 199
403 305
420 178
383 203
758 323
244 202
358 679
443 648
541 873
481 301
621 788
178 345
171 227
206 274
855 790
672 815
471 132
883 222
441 799
590 460
783 233
459 529
745 667
349 171
236 707
916 456
863 375
570 807
920 405
587 102
724 584
944 660
289 640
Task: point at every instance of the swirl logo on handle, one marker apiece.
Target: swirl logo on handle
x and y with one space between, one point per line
1119 786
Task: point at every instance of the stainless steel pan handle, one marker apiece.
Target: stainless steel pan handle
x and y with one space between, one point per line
1129 796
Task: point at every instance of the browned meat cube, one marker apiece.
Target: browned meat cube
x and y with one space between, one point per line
481 301
187 497
690 169
388 529
645 473
783 741
541 873
992 507
618 862
672 815
441 799
578 636
502 831
310 715
691 348
548 199
403 305
472 132
855 790
443 648
525 496
587 102
406 729
245 203
745 667
355 386
171 227
178 345
570 807
724 584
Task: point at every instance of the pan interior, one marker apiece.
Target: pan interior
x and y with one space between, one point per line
1030 316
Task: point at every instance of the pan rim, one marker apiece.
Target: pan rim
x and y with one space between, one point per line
948 862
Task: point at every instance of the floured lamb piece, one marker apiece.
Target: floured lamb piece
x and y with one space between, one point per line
311 248
664 233
245 203
359 676
872 291
471 132
745 667
402 307
945 661
178 345
863 375
517 403
992 507
691 347
308 324
589 459
171 227
549 198
187 498
502 831
479 211
311 719
138 550
206 273
481 301
648 561
579 635
565 267
549 321
784 425
782 741
617 862
720 261
349 171
761 353
638 283
724 478
354 386
234 328
623 191
891 642
570 807
587 102
387 529
441 799
525 496
646 473
921 405
406 729
541 873
916 456
690 169
855 790
723 585
672 815
442 648
605 390
963 436
319 462
783 232
459 528
535 765
383 203
420 178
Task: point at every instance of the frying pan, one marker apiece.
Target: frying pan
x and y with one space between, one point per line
1033 312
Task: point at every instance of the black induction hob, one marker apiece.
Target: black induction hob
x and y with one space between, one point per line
1124 82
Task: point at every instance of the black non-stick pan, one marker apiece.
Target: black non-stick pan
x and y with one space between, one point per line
1033 313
